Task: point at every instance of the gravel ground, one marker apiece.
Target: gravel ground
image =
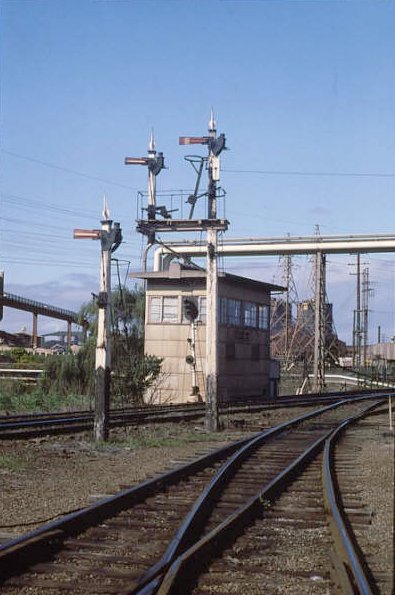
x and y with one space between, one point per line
44 478
49 477
372 478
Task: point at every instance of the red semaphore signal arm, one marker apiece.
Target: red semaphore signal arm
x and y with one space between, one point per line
193 140
86 234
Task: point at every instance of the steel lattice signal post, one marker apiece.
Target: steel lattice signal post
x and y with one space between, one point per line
110 237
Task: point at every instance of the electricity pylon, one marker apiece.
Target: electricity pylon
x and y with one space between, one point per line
282 318
319 322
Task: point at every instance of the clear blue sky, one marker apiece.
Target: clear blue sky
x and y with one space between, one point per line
297 86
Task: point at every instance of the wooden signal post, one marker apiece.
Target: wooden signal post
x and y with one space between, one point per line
110 237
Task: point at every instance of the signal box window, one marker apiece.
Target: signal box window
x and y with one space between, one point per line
234 312
263 317
202 310
170 309
155 310
223 310
250 314
164 309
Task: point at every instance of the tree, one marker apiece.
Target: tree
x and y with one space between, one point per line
132 371
71 373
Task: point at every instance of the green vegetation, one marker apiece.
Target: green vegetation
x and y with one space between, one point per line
15 397
20 358
11 463
68 380
162 437
70 373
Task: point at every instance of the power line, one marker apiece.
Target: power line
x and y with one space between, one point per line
47 263
67 169
32 234
310 173
34 203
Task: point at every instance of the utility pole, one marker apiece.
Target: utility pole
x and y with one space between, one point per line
319 323
366 291
110 237
288 269
356 335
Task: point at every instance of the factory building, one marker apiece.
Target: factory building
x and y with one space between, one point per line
245 368
306 317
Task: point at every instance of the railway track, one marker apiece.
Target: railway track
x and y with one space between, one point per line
38 424
157 537
357 487
25 426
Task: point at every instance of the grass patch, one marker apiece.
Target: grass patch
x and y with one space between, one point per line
162 437
11 463
16 398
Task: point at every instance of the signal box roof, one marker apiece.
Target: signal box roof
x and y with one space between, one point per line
183 272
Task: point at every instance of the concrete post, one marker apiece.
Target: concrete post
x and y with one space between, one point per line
68 334
103 346
35 332
211 333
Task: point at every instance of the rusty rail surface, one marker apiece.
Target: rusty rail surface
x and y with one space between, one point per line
42 543
352 572
31 425
179 565
31 547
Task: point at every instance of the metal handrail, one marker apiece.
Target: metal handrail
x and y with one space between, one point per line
17 298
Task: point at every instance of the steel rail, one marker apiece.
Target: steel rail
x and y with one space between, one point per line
175 578
29 548
40 543
190 529
352 571
75 422
178 565
140 410
18 426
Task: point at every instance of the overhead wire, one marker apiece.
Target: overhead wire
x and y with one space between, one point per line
67 169
269 172
34 203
